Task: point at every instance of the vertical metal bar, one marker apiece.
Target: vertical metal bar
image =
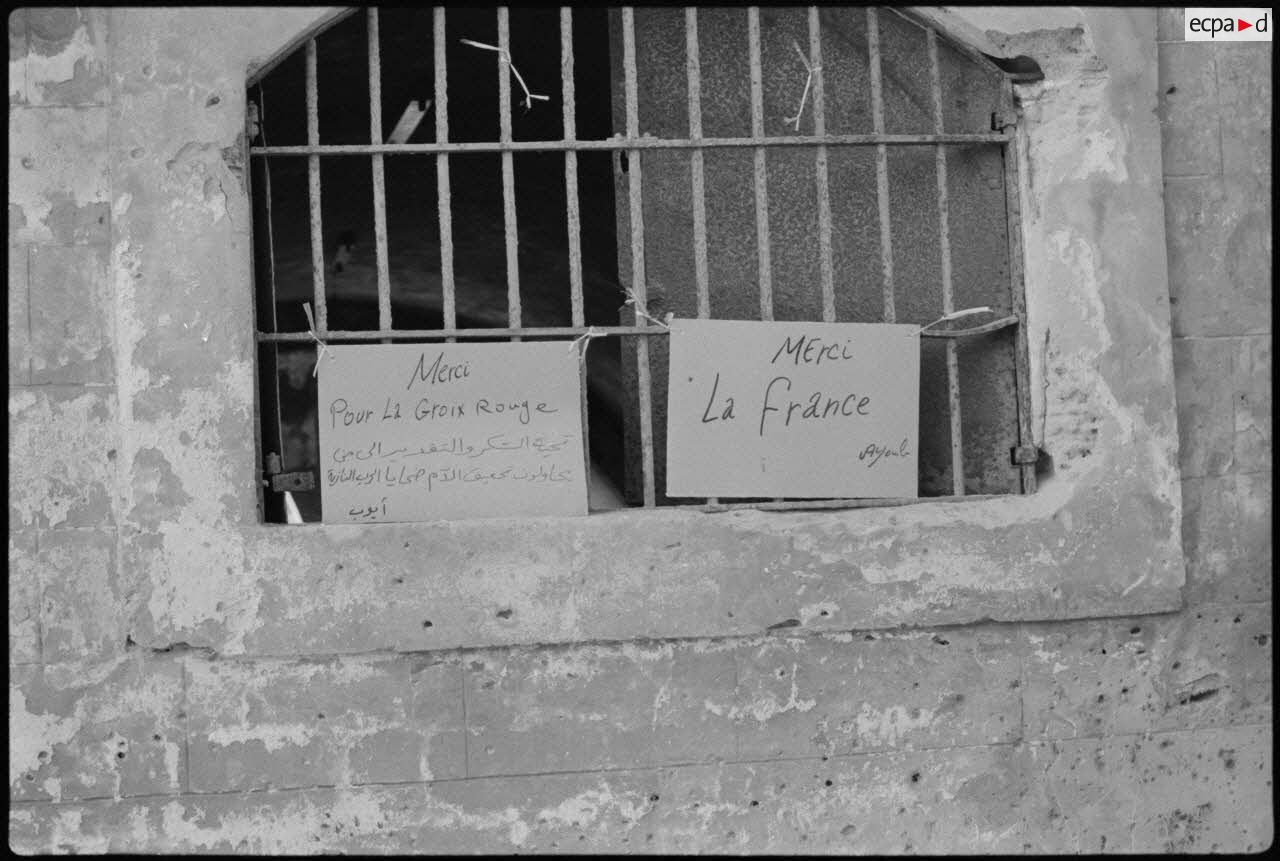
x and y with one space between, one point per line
638 289
444 204
820 169
379 177
944 245
1022 365
761 173
271 265
693 72
882 161
569 101
571 164
508 171
313 190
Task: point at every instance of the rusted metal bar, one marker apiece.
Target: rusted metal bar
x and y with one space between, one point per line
882 162
944 245
569 100
1022 364
439 334
508 171
574 331
444 203
574 215
622 142
829 504
693 73
765 268
379 175
825 262
313 192
638 290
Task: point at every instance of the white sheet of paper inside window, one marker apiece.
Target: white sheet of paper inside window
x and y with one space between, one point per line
413 432
806 410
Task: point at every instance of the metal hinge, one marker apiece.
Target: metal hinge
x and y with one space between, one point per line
1001 120
293 482
252 124
1023 455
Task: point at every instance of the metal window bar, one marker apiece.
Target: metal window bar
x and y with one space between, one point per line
313 192
379 177
633 144
882 161
697 179
825 260
944 244
508 170
761 176
639 291
1013 212
573 215
444 203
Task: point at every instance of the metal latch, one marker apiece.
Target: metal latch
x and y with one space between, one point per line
1023 455
293 482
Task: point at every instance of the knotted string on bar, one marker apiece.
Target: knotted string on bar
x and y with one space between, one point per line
644 312
586 339
954 315
807 82
324 348
506 56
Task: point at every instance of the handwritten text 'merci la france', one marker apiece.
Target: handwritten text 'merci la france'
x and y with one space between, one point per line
778 398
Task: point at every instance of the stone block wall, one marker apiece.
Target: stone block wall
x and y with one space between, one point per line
1150 733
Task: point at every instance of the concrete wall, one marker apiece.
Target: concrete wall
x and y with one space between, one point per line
184 679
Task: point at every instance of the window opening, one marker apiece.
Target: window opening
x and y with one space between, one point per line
420 202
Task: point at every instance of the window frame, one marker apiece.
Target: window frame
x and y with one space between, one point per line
631 145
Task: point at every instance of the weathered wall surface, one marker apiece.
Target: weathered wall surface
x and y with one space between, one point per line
343 722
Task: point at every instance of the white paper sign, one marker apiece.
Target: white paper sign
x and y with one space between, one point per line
805 410
412 432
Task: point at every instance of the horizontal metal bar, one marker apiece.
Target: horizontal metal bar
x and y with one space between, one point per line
623 143
405 334
813 504
561 331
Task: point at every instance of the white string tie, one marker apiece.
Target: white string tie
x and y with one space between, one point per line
324 348
807 82
586 339
506 57
643 312
954 315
